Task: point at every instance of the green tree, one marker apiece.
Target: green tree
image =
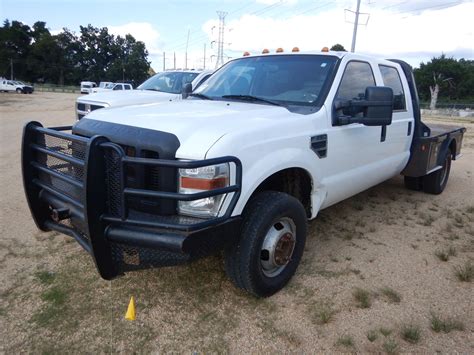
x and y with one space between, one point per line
338 48
445 78
15 41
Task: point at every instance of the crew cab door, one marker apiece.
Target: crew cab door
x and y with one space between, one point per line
358 155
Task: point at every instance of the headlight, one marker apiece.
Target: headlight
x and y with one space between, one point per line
199 180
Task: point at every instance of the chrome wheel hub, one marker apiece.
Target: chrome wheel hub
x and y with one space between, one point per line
278 246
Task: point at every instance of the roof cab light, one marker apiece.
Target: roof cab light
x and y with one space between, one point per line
295 49
325 49
279 50
203 179
265 51
246 54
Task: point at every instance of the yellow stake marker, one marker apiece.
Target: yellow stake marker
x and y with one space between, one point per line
130 315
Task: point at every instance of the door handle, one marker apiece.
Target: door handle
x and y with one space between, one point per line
383 134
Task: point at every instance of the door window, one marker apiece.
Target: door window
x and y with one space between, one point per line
118 87
391 78
356 78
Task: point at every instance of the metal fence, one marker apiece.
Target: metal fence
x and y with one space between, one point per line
57 88
449 105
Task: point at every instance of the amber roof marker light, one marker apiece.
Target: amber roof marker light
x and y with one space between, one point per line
246 54
279 50
265 51
295 49
325 49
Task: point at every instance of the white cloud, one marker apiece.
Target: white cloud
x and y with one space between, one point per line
141 31
273 2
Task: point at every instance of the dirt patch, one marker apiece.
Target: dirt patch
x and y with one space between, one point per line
379 274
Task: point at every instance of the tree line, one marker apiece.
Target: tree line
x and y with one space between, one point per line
446 79
68 58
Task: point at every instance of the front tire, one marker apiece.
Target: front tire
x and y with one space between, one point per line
18 91
270 246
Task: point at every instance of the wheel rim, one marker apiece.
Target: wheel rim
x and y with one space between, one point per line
278 247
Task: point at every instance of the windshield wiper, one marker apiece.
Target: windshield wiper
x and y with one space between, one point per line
201 96
252 98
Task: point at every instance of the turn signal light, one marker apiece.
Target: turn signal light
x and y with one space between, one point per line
325 49
203 184
265 51
295 49
279 50
246 54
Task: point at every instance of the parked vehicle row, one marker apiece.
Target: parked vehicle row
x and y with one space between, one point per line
252 154
15 86
165 86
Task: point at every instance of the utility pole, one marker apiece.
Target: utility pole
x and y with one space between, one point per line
186 54
356 23
174 60
11 69
204 56
164 61
220 41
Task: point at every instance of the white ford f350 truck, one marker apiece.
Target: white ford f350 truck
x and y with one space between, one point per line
166 86
241 165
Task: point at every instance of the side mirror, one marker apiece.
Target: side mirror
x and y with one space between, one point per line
187 89
376 108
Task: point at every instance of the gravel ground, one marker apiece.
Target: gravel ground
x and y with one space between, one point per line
369 270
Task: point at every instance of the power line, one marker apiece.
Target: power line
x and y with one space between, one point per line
445 5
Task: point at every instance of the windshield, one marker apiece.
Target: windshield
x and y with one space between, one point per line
284 79
87 86
170 82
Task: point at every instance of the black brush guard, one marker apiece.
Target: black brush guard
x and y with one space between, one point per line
77 186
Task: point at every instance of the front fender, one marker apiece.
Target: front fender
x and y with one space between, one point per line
255 171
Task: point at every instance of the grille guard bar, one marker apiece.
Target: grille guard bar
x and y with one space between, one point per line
64 176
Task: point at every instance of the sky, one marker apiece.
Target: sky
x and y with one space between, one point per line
412 30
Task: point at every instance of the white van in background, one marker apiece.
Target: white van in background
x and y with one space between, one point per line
87 86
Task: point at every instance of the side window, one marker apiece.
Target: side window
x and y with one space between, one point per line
357 76
391 78
127 87
118 87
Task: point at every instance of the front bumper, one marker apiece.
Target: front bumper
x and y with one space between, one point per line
77 186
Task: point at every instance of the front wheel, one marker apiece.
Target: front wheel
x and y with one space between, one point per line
18 91
270 246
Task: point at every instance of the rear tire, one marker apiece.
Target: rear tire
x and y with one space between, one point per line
413 183
18 91
270 245
435 182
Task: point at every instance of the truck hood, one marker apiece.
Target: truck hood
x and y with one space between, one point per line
126 97
197 124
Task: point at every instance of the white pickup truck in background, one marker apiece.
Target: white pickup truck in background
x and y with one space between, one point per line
15 86
165 86
242 164
113 87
